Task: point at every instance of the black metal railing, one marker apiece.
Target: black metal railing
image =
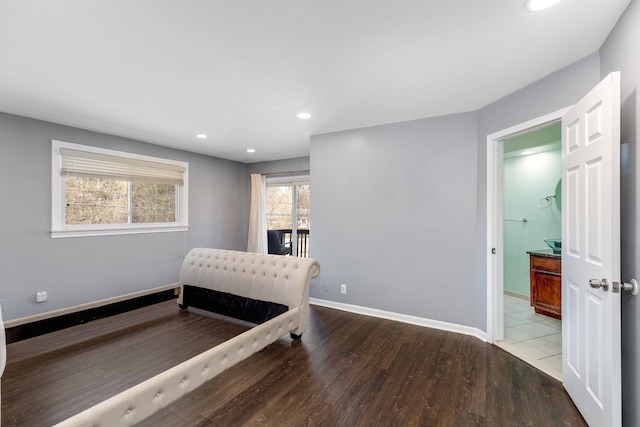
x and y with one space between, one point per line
284 236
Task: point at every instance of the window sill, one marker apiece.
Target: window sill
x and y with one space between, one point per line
115 231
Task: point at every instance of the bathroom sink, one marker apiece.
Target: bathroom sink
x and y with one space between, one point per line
554 244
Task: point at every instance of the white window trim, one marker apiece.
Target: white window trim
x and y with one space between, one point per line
61 230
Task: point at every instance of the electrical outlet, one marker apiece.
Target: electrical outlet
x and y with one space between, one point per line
41 296
343 288
3 305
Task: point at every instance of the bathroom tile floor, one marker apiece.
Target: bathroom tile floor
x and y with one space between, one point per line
532 337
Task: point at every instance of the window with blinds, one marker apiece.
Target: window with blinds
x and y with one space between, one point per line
98 191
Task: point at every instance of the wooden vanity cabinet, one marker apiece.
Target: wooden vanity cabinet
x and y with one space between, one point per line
546 284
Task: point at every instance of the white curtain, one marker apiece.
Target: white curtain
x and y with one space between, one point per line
257 241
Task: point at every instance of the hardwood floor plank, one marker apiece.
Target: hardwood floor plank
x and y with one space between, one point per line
348 370
68 371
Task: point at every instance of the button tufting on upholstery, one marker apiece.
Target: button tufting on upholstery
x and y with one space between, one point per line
225 272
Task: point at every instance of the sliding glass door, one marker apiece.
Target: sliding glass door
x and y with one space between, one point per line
288 215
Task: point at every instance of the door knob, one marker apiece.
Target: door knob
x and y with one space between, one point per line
595 283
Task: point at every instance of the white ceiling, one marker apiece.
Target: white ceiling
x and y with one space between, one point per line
239 70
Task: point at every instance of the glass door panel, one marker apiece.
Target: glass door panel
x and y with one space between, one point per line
303 221
288 218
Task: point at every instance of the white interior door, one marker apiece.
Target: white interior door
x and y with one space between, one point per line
591 250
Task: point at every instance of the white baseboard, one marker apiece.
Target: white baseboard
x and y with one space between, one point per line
404 318
517 295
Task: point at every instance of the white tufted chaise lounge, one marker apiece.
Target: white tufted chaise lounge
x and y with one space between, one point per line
270 290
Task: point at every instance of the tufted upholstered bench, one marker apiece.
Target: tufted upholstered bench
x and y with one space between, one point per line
270 290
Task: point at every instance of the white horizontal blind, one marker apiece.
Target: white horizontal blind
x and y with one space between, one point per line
107 166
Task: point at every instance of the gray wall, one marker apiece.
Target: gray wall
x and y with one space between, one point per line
559 90
399 211
620 53
79 270
394 217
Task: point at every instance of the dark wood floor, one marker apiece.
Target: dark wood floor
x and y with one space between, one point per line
348 370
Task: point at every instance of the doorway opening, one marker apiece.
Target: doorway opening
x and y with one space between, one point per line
523 209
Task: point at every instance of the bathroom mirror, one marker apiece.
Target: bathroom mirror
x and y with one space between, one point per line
558 194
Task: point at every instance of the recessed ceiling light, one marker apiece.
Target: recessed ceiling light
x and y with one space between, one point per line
303 115
201 136
251 150
540 5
